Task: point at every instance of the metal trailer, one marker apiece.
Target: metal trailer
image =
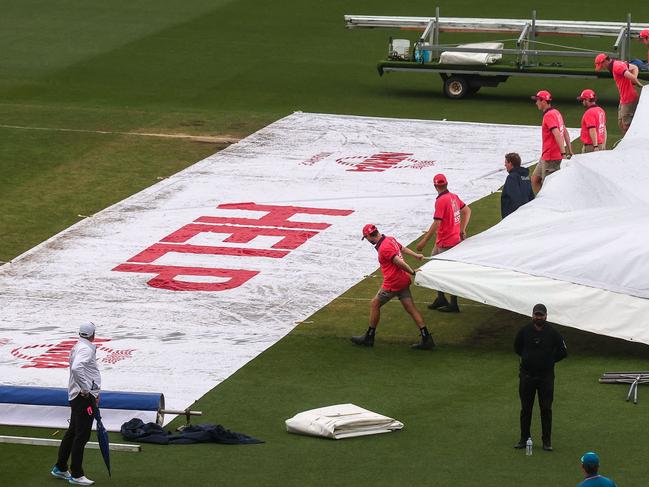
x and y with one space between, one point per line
464 80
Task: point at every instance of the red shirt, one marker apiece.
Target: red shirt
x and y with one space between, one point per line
624 85
551 151
447 211
594 117
394 277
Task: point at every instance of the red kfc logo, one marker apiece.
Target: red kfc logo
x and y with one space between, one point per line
383 161
56 355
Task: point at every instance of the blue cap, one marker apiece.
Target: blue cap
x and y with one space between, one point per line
590 458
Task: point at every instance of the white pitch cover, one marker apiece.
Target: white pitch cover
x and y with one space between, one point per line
580 247
195 276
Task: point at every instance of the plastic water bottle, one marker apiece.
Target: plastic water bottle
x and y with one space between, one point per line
528 447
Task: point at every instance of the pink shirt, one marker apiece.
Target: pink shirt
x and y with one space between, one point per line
624 85
447 211
551 119
594 117
394 277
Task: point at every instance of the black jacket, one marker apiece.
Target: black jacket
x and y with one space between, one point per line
539 349
517 191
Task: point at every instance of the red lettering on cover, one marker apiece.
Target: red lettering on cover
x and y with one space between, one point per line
159 249
292 239
166 277
276 216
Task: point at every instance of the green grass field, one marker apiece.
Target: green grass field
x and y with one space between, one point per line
229 67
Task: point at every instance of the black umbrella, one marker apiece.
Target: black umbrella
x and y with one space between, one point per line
102 435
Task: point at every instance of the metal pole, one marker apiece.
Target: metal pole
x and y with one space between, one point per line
435 53
533 61
628 38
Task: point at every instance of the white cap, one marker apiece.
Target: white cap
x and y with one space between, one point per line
87 329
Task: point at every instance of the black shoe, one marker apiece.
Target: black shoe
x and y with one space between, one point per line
520 445
438 303
449 309
426 343
547 447
363 340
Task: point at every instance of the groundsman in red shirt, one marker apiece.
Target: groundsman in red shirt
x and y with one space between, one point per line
396 283
626 79
593 123
555 139
449 224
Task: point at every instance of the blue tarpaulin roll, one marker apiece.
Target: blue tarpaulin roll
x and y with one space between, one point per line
55 396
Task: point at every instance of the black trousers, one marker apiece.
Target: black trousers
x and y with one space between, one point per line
76 437
529 385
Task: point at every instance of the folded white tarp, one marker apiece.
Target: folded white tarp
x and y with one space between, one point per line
580 247
341 421
472 57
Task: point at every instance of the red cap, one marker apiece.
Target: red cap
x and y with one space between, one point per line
440 180
542 95
644 34
368 229
587 95
599 59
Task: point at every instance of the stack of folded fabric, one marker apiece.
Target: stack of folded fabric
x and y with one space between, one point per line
341 421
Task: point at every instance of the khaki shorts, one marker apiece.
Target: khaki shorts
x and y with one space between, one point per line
588 148
384 295
625 113
545 168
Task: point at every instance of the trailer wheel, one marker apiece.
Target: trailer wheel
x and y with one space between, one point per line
456 87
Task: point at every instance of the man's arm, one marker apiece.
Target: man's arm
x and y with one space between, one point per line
518 343
431 231
566 137
559 139
399 262
407 251
465 216
561 351
592 132
632 74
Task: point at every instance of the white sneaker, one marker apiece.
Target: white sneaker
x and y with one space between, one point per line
80 481
60 474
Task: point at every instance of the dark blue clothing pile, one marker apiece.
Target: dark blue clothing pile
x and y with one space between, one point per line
137 430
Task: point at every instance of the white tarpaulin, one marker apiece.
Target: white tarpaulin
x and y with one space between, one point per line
193 277
580 247
341 421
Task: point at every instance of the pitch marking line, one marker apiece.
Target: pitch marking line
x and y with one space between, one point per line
215 139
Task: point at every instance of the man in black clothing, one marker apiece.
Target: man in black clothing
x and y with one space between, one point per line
539 346
518 186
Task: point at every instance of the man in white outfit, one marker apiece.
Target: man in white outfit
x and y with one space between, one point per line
83 391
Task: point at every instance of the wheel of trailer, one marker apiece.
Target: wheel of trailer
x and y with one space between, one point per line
456 87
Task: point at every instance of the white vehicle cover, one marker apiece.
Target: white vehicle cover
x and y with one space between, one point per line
472 57
580 247
341 421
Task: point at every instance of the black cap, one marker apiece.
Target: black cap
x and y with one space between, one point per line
540 309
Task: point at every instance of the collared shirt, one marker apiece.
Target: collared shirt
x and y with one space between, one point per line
447 211
394 277
594 117
624 85
84 373
552 119
597 481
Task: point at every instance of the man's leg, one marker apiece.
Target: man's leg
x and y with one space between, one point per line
625 116
82 434
379 300
66 444
526 393
408 304
546 397
440 300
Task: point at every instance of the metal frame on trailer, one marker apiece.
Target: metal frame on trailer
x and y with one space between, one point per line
462 81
